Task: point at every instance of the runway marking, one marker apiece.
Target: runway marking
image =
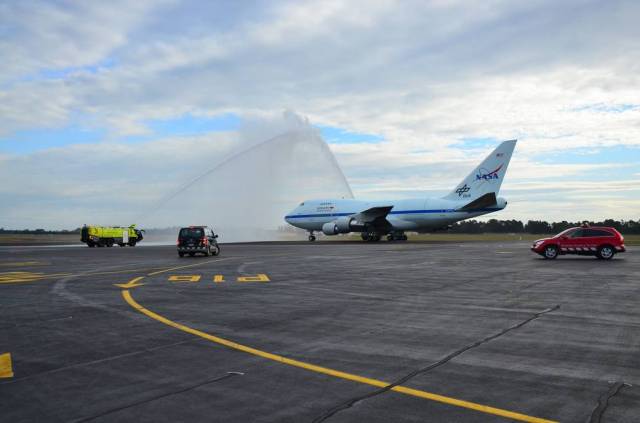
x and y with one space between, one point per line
188 265
260 277
23 277
131 284
126 295
184 278
6 370
24 263
20 277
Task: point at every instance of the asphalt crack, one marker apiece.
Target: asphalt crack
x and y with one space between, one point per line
351 402
99 361
603 401
157 397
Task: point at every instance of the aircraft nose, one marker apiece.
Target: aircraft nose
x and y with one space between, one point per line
288 216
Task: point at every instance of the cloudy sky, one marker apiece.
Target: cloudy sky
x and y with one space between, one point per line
101 99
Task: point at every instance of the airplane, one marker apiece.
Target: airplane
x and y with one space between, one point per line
474 196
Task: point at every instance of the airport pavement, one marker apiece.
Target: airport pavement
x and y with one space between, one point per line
329 331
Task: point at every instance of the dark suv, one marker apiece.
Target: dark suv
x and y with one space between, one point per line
197 239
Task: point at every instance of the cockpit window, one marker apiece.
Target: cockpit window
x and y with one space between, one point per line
301 204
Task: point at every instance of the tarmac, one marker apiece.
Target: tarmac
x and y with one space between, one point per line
318 332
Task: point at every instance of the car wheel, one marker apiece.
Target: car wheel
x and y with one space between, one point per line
216 251
606 252
181 254
551 252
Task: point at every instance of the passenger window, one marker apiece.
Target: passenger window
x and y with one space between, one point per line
577 234
598 232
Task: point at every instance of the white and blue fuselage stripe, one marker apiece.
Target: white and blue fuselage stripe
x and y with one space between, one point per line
486 210
406 215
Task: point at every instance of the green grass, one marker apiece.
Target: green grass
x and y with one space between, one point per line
632 240
488 237
448 237
41 239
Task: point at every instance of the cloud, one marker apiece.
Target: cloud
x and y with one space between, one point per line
421 76
44 35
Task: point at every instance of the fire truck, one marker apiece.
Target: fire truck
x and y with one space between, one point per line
108 236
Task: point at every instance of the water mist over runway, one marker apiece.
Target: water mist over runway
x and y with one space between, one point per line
245 194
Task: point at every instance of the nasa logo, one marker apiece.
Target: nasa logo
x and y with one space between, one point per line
484 175
462 190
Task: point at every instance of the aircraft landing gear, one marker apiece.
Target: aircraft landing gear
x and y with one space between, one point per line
396 236
312 237
370 236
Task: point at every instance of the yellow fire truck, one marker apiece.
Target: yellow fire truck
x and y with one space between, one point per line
107 236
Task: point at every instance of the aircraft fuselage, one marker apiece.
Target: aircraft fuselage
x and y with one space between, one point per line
419 215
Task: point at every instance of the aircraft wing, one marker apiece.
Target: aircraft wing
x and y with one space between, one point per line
373 215
486 200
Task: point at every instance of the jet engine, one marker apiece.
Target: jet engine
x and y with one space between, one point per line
345 224
330 228
342 225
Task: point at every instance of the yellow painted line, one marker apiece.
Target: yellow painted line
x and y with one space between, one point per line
131 284
335 373
6 369
20 277
25 277
17 274
260 277
187 266
23 263
185 278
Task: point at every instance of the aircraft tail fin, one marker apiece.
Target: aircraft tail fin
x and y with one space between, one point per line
487 177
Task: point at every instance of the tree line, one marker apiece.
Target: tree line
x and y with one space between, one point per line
538 226
38 231
465 227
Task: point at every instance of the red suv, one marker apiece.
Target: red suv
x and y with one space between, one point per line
602 242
